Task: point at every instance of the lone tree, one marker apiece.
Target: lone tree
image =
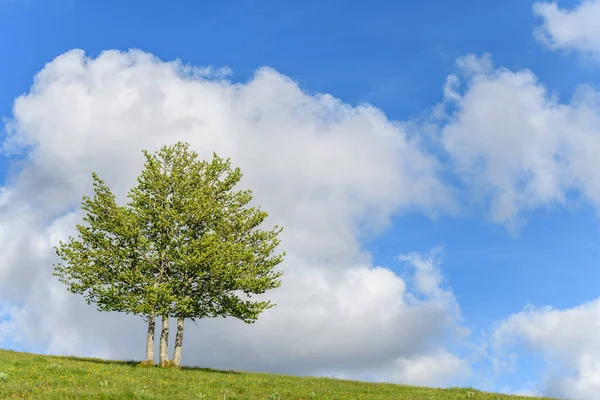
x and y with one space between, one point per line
186 245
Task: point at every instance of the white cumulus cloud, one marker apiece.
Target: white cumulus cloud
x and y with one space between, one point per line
514 145
574 29
566 339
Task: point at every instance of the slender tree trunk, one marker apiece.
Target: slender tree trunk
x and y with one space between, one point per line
178 342
150 339
164 341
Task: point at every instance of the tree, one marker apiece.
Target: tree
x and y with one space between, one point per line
226 259
186 245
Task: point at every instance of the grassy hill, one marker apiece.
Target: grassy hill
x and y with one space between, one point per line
32 376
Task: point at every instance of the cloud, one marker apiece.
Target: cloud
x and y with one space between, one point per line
324 170
515 147
574 29
431 364
566 339
442 368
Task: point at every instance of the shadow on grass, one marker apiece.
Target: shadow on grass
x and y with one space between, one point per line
129 363
213 371
136 364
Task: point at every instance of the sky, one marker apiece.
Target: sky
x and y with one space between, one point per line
434 165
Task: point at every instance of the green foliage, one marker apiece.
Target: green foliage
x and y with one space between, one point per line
213 249
3 377
110 263
186 244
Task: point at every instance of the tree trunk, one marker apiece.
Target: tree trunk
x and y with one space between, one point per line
164 341
150 340
178 342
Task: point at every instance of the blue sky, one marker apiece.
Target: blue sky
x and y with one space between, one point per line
395 56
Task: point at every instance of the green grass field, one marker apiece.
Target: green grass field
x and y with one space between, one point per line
32 376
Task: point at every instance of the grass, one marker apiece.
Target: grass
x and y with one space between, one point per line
32 376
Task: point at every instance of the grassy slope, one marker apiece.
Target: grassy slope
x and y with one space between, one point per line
32 376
